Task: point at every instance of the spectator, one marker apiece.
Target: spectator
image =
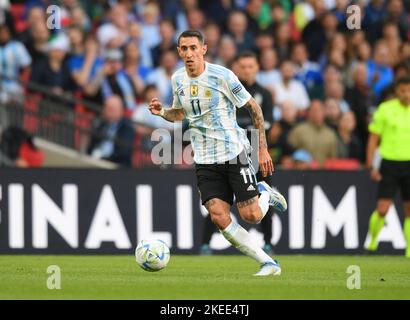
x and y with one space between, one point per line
167 32
150 24
314 135
15 60
212 35
263 41
380 74
335 90
340 11
36 15
361 100
364 51
304 13
227 51
318 31
348 144
289 89
113 136
283 41
83 57
269 75
335 52
161 76
114 33
135 34
396 14
332 113
279 147
181 21
132 67
80 19
354 39
278 15
6 17
17 149
405 53
237 28
195 19
302 160
110 79
145 123
252 11
36 46
216 10
307 72
391 37
373 15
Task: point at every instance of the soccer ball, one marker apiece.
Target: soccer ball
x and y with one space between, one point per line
152 255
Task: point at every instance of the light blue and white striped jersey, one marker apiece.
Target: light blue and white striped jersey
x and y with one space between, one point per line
209 103
13 57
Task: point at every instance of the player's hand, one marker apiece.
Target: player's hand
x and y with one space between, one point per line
265 163
155 106
375 175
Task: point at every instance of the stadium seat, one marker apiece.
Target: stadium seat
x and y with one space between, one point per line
17 11
140 158
341 164
31 110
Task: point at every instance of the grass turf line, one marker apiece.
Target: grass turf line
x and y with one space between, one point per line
195 277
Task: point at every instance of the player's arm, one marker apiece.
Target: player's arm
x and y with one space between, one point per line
170 114
372 144
265 161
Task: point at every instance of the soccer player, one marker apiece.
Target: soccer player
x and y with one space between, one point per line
206 95
391 127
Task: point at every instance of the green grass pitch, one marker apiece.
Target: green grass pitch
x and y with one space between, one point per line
195 277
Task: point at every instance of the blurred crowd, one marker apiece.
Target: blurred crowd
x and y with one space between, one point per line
324 79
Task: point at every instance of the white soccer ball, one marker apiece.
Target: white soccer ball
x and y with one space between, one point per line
152 255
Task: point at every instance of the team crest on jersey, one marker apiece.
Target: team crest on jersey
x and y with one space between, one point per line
208 93
194 90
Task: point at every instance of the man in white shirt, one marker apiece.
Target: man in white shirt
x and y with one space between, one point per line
290 89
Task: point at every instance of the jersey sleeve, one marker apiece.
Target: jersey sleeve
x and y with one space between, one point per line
176 103
236 91
377 124
23 55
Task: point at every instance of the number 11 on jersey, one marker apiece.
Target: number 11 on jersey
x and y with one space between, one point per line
197 110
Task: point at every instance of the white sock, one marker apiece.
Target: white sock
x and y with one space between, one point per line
241 240
264 203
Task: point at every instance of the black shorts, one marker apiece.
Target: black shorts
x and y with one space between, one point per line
395 175
224 180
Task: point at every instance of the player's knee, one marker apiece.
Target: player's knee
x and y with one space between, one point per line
220 219
252 216
407 208
383 208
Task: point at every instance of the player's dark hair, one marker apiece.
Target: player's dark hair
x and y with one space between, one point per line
190 34
246 54
402 80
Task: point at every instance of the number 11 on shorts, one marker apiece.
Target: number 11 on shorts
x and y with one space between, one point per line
247 171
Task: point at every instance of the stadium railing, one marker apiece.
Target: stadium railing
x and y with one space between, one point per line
66 120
